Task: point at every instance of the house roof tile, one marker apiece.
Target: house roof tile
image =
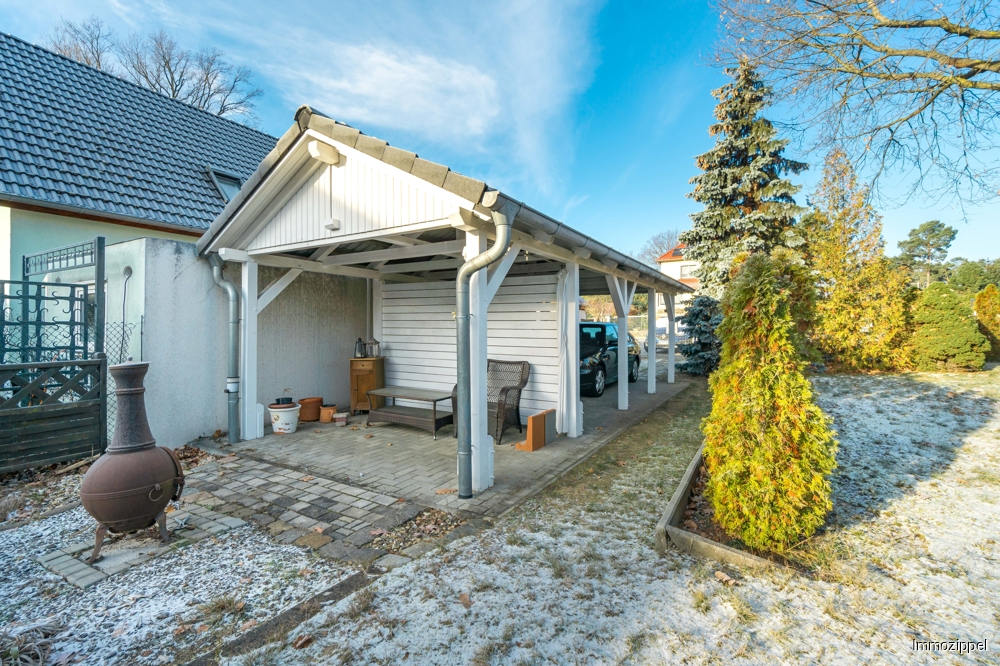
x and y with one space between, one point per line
73 136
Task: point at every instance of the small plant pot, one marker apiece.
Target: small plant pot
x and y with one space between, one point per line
326 413
310 409
283 401
284 418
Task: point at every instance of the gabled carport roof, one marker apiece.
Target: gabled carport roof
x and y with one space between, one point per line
545 235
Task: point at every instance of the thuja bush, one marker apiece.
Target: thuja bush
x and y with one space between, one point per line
769 448
701 354
987 306
947 334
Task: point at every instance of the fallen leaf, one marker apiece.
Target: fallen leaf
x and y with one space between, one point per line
317 431
723 578
590 471
369 436
599 428
951 394
621 463
691 525
118 632
181 629
308 478
246 625
302 641
659 491
201 628
317 529
465 600
244 581
169 509
389 444
240 606
401 499
378 532
146 653
306 571
354 427
445 491
227 459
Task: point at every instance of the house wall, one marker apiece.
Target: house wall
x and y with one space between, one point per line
418 335
26 232
305 337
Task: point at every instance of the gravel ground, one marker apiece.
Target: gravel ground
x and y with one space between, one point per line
179 602
572 577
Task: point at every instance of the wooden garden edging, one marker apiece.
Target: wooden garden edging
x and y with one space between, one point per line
689 542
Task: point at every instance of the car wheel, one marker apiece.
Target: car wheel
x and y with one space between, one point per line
599 382
633 372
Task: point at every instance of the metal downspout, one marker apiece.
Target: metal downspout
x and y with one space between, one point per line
233 380
503 219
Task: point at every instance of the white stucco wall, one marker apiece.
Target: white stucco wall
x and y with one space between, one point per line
185 342
306 336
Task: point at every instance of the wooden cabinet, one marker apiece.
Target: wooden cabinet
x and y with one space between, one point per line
366 374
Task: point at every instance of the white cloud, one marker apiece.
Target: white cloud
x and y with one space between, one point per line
440 100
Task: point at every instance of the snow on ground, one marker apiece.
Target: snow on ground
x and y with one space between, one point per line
912 553
150 612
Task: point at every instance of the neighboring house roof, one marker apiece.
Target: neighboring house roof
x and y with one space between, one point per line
470 189
79 139
676 253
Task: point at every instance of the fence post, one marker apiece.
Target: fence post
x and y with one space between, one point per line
104 398
99 294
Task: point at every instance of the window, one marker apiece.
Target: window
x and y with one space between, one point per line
612 335
591 340
687 270
227 184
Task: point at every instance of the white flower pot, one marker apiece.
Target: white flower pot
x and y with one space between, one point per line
284 421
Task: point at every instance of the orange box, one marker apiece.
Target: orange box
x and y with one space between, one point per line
537 431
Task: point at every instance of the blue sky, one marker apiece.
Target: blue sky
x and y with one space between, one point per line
590 112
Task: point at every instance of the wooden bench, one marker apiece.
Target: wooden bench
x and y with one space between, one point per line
428 419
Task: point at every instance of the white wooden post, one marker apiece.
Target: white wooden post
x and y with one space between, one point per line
482 442
251 415
651 341
669 299
569 416
622 296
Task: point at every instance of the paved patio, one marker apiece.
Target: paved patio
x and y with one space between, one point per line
388 461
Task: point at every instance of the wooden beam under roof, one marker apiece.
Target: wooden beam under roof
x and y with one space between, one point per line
402 252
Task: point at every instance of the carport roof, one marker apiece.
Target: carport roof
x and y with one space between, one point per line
528 220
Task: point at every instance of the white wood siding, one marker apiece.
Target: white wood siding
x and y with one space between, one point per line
418 335
365 194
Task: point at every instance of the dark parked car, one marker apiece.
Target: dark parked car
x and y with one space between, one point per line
599 357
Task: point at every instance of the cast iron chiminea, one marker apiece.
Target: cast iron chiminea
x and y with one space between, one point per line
128 487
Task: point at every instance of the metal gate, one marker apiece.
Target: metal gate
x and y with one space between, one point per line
53 370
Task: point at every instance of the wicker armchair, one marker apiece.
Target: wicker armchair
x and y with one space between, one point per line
504 382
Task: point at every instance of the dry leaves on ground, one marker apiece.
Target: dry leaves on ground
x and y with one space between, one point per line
445 491
465 600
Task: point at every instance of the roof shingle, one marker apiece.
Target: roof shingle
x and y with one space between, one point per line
71 135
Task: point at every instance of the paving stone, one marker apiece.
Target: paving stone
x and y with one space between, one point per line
313 511
360 538
289 516
270 497
262 518
232 522
312 540
290 535
419 549
274 510
323 502
77 548
391 561
298 506
304 522
286 502
278 526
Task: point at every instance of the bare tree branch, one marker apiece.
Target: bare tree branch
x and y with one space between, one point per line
908 87
91 42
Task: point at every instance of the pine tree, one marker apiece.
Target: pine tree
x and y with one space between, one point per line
769 448
947 334
926 248
988 313
701 354
749 207
863 309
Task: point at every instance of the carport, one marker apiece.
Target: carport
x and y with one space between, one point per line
332 200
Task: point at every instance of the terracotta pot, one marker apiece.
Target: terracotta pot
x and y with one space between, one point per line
310 409
326 413
282 405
